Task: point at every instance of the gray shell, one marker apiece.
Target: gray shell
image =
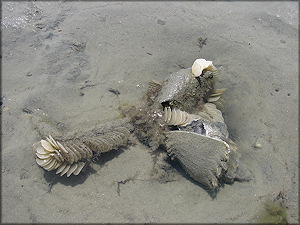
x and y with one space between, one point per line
182 90
203 158
208 160
202 147
175 84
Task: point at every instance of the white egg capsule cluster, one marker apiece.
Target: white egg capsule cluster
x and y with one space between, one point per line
211 113
216 98
178 117
70 156
108 141
51 155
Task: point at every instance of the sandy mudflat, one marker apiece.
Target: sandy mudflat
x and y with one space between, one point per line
60 58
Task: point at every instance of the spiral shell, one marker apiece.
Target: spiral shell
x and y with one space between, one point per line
205 159
69 157
178 117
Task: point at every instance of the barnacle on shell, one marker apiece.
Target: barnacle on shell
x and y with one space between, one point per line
69 157
178 117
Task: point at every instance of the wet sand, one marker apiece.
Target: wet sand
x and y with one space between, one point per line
59 60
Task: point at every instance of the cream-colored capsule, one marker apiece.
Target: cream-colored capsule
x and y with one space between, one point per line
201 64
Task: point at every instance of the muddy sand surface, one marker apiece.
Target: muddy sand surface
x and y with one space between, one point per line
59 60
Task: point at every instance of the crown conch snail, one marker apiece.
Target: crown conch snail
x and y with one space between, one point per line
183 114
187 111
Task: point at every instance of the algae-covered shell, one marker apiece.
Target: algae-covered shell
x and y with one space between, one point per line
176 83
182 90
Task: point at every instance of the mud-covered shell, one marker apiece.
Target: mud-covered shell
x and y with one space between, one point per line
183 91
203 158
